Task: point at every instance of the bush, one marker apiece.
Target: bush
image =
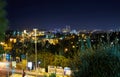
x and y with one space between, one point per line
52 75
101 63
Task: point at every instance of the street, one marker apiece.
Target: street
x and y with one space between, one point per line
7 72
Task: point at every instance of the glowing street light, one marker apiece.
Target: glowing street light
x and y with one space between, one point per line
66 49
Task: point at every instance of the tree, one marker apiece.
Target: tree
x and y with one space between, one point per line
61 61
3 19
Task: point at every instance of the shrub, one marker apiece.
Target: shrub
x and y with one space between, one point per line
52 75
99 63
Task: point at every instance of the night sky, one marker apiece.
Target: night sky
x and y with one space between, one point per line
50 14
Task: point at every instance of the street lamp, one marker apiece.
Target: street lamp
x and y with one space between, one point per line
35 30
24 35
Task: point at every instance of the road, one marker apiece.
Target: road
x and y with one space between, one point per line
6 72
3 69
18 73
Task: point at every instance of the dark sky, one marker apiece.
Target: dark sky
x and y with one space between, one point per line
50 14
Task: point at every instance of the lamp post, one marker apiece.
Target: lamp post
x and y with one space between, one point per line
24 35
35 30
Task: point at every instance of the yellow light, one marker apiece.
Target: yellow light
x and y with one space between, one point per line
2 43
25 31
13 40
73 46
66 49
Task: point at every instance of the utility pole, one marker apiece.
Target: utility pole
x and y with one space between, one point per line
35 30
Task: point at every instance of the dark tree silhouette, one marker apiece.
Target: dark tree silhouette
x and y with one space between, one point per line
3 22
3 19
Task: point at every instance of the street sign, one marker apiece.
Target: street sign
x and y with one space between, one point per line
30 65
13 63
51 69
59 70
8 57
67 71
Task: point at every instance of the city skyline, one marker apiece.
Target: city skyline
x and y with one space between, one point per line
50 14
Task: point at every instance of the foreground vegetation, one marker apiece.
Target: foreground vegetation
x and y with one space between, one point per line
99 63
